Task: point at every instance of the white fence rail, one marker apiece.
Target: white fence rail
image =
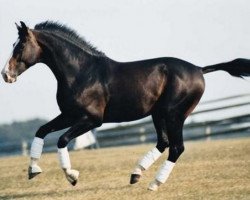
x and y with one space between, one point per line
221 118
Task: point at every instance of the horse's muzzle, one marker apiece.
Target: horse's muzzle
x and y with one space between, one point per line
7 78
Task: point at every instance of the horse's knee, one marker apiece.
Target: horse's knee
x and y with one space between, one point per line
41 132
161 146
175 152
63 141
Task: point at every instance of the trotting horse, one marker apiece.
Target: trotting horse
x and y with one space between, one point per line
94 89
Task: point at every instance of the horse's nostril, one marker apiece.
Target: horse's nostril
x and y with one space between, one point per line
5 77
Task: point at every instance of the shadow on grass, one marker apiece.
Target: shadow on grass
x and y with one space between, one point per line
53 193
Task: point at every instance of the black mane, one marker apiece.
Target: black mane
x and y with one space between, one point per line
68 33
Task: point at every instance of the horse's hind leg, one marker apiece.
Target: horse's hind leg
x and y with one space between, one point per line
175 117
60 122
176 148
150 157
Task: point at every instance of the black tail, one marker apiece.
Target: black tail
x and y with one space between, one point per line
239 67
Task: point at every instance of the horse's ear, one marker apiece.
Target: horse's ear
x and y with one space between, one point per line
22 30
18 27
24 27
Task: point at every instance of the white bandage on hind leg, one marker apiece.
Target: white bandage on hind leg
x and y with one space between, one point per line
63 156
36 148
149 158
164 172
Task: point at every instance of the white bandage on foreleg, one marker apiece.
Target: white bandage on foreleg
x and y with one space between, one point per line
164 172
149 158
36 148
63 156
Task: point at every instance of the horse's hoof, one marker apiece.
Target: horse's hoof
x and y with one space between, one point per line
74 183
154 185
34 171
72 176
134 178
32 175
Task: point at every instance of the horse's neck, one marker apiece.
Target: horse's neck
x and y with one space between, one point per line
64 64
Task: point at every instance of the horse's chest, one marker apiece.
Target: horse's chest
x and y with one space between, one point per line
66 102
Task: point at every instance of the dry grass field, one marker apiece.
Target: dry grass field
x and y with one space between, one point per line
206 170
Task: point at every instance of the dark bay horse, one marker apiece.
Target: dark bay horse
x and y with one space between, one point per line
94 89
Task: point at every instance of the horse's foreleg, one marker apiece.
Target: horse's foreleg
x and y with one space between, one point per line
81 127
35 154
60 122
149 158
64 159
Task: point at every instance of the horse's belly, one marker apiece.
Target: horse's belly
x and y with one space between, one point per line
120 115
135 97
128 110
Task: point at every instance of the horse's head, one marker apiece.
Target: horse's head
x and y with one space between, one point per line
26 52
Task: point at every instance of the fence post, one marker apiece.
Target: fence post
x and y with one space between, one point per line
143 137
24 148
208 133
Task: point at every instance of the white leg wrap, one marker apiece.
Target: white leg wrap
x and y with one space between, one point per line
36 148
149 158
63 156
71 174
137 170
164 171
34 168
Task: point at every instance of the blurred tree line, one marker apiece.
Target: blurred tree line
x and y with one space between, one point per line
14 136
18 131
